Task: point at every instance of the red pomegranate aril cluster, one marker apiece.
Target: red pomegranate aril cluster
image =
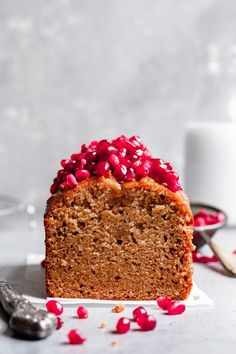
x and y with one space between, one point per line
145 321
172 307
203 218
54 307
127 159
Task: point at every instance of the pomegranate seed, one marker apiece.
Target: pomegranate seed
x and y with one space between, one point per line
122 152
102 144
54 188
163 302
80 164
199 221
123 325
62 186
102 168
82 312
82 174
139 311
90 166
90 156
50 199
136 140
75 337
84 148
43 263
105 152
198 258
59 323
71 180
141 171
175 308
146 322
67 164
130 176
221 217
113 160
120 172
54 307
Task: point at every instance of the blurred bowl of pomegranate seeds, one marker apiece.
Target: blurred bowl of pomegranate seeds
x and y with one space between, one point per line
206 218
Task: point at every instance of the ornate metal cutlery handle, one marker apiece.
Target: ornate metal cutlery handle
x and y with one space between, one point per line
25 318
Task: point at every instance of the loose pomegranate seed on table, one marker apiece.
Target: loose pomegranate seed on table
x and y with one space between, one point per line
146 322
175 308
54 307
59 323
138 312
82 312
75 337
123 325
163 302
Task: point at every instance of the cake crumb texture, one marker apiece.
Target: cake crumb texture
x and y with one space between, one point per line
130 241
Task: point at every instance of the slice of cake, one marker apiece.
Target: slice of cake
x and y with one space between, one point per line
118 226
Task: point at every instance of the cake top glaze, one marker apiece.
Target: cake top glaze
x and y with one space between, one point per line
126 159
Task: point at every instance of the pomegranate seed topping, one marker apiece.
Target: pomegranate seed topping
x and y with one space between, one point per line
175 308
75 337
146 322
120 172
123 325
59 323
82 312
139 311
71 180
82 174
102 168
54 307
127 158
163 302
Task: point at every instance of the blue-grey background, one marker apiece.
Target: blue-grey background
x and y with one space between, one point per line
72 71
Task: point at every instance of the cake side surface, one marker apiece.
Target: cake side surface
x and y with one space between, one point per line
110 240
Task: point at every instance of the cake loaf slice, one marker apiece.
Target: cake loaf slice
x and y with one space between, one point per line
123 231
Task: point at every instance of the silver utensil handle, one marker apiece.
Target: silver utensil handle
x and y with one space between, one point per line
11 300
25 318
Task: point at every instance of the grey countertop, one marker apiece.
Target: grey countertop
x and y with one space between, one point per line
198 330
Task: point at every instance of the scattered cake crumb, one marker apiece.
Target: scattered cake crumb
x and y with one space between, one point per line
113 343
196 297
102 325
118 308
